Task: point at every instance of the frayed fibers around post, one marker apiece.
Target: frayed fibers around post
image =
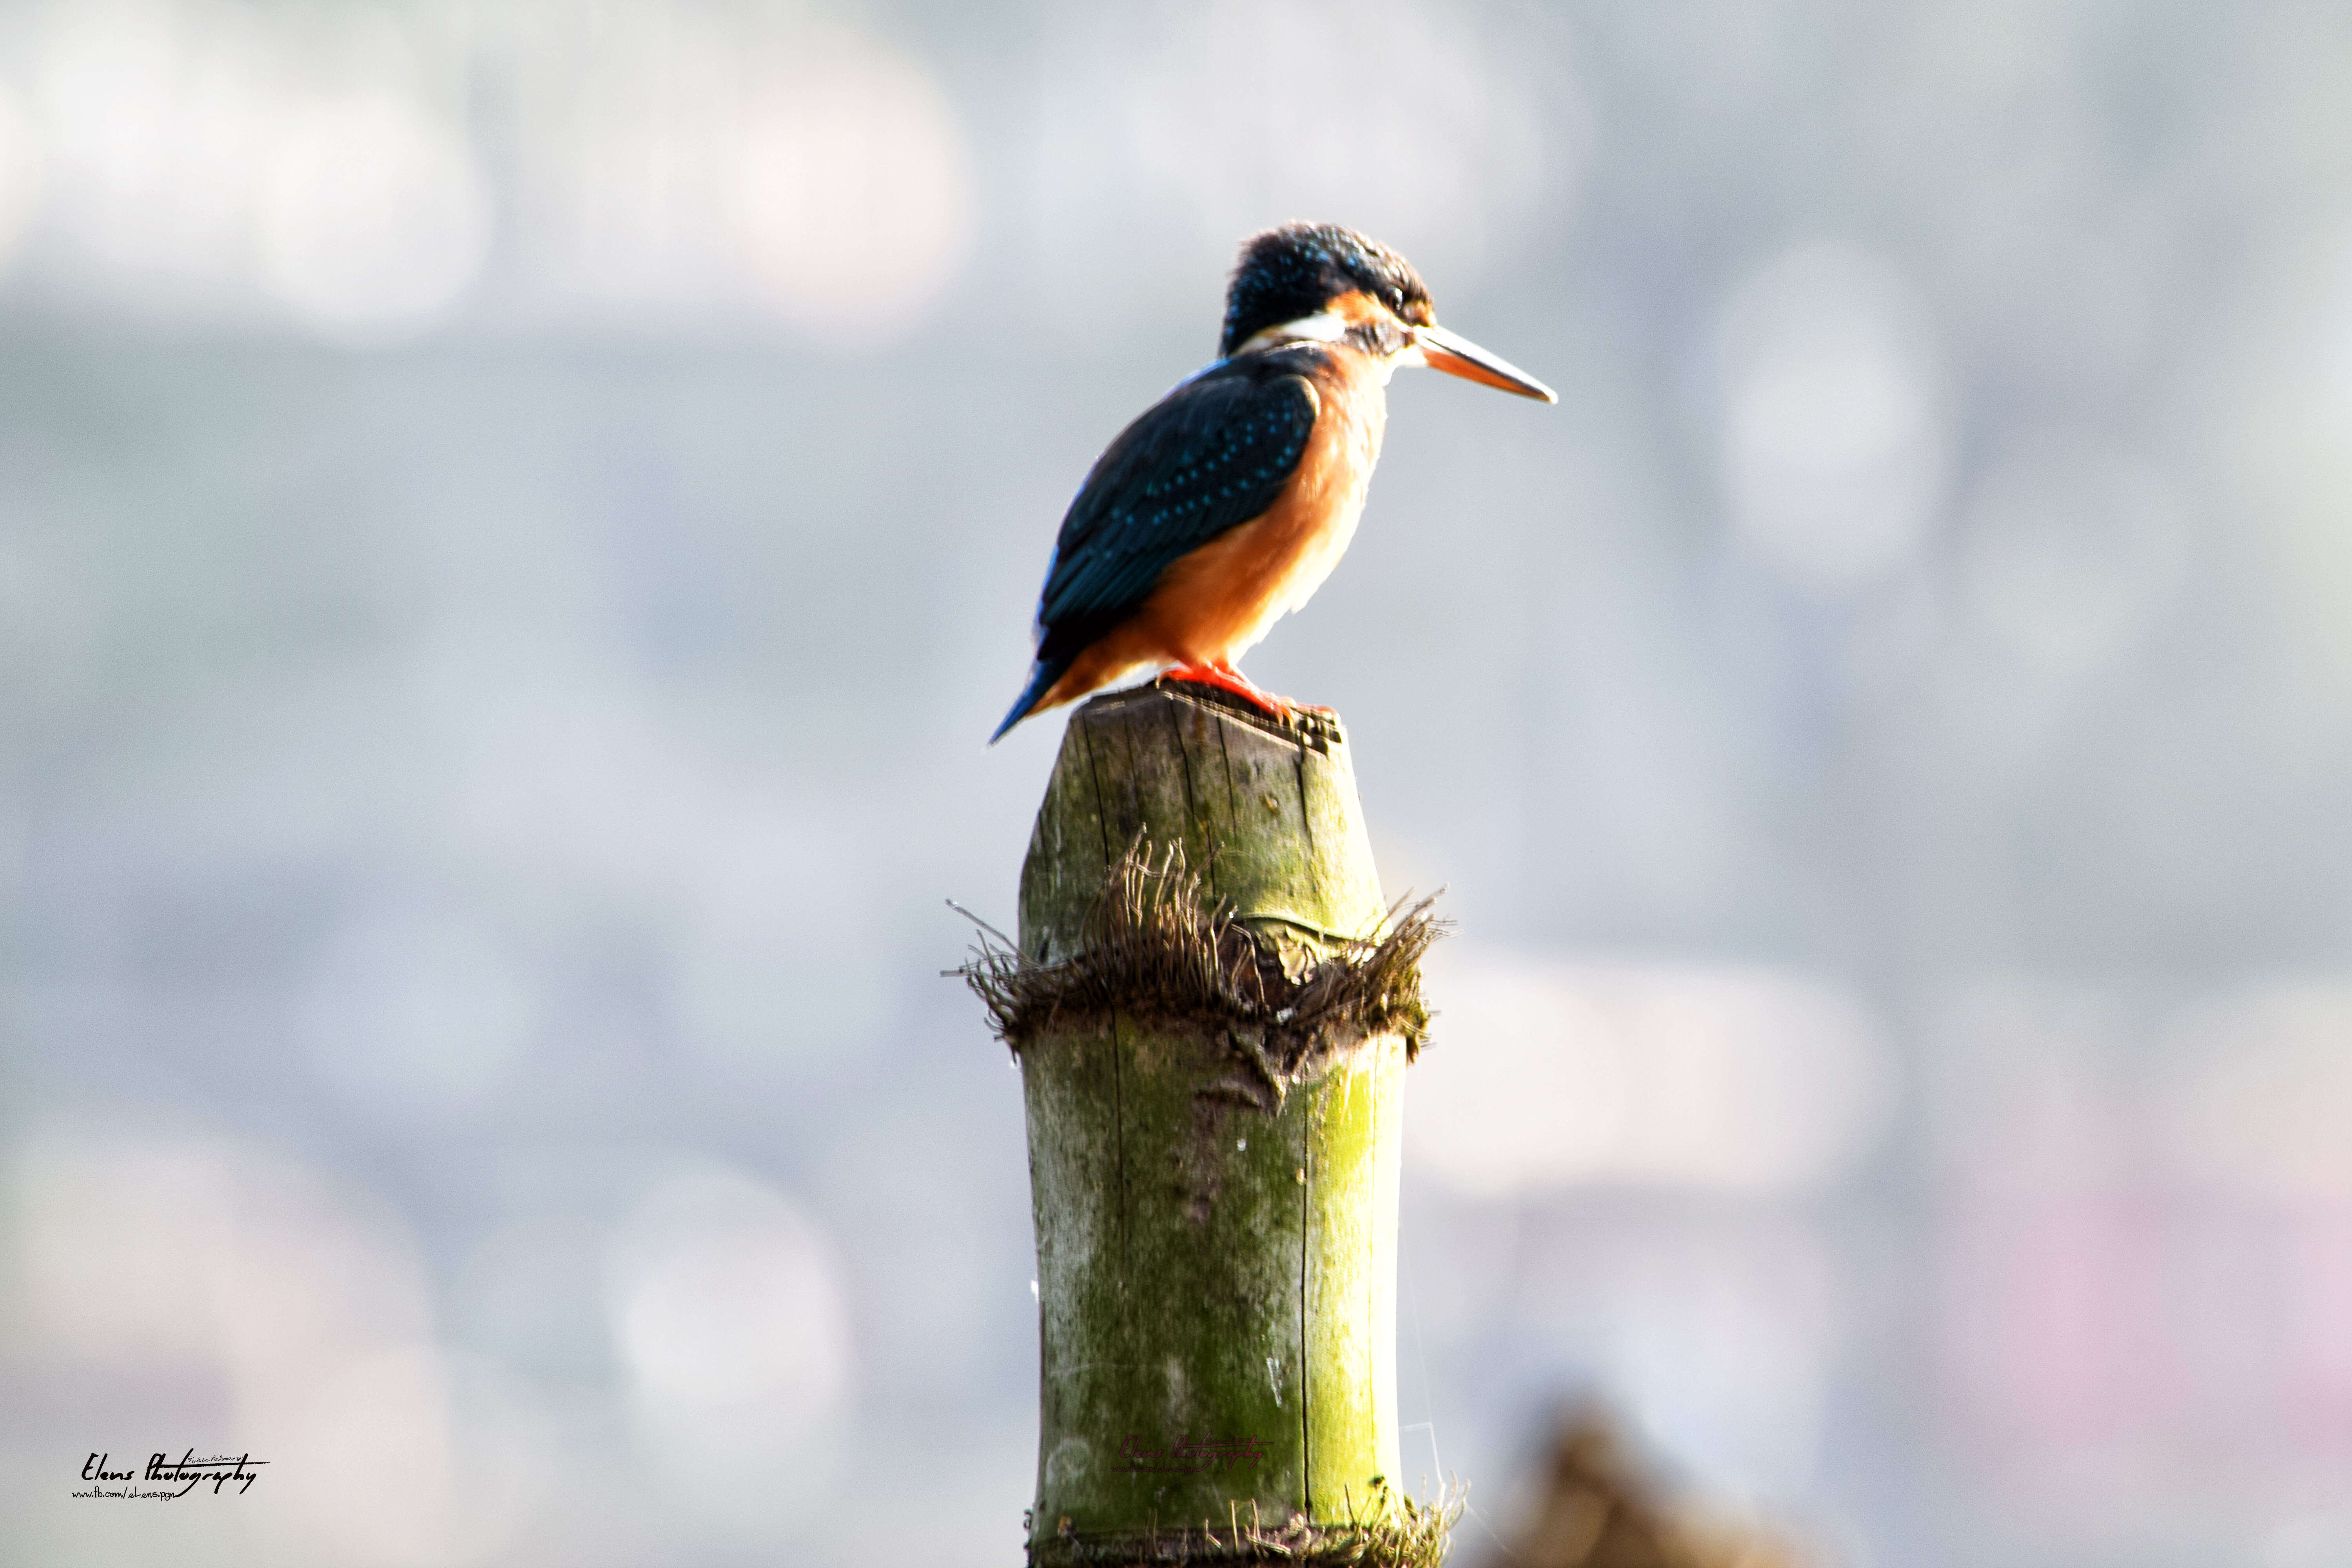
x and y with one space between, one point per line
1154 949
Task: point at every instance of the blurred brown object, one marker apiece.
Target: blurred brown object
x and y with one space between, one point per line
1598 1505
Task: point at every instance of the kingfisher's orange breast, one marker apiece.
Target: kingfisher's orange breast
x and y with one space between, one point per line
1213 604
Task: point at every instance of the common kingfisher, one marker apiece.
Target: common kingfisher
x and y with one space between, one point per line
1231 499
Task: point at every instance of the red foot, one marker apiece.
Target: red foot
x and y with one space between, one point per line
1226 678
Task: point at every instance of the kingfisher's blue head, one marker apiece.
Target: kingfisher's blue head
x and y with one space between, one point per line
1291 273
1320 282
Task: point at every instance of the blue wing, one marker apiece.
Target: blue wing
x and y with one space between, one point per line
1209 457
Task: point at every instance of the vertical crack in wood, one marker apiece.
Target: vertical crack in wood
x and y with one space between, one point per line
1208 867
1118 1099
1102 805
1313 859
1119 1141
1306 1353
1232 800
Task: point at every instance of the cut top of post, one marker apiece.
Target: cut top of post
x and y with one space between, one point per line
1266 813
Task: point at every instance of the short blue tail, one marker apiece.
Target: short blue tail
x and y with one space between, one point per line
1042 678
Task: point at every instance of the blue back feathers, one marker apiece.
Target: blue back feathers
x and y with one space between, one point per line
1209 457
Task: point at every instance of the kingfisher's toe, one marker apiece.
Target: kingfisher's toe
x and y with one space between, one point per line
1225 677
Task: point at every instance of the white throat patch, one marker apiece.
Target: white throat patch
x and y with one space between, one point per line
1329 327
1323 326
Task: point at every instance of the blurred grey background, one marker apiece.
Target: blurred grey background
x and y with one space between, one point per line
514 521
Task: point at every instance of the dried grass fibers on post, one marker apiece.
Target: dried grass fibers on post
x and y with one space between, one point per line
1155 949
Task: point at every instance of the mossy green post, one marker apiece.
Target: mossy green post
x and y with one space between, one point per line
1217 1280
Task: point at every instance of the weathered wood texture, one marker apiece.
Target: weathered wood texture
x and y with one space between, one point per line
1272 817
1209 1273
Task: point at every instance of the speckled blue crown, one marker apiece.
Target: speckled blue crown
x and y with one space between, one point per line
1294 270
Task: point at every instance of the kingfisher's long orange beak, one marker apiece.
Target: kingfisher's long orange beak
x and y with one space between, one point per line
1456 355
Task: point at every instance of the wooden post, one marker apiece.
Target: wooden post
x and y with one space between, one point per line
1215 1216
